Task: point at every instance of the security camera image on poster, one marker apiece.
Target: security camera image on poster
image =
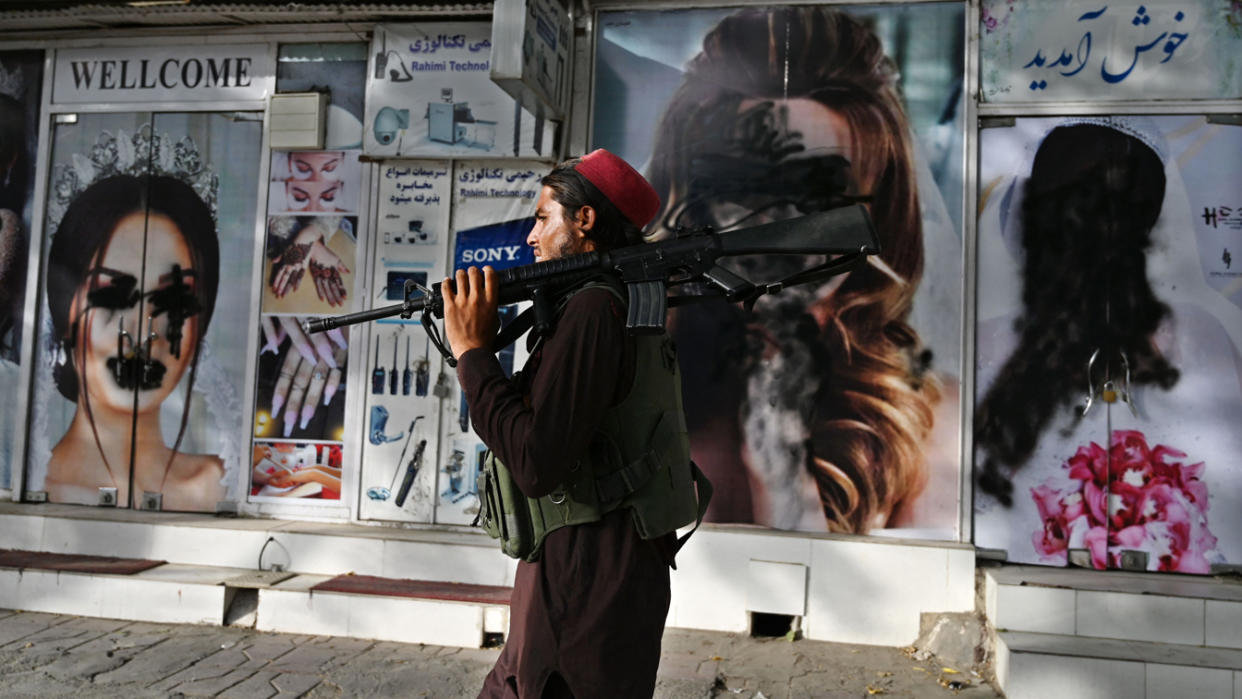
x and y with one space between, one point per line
21 76
430 94
831 406
146 310
1108 378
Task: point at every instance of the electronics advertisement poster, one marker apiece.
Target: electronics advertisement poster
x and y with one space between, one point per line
430 94
146 311
1109 326
493 212
408 377
1070 50
833 407
21 80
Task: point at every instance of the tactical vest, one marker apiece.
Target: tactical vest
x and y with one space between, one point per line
639 459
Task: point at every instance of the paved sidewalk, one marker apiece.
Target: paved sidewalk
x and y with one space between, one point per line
49 655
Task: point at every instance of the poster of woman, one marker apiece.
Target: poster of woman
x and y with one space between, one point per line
831 407
146 310
21 76
1109 385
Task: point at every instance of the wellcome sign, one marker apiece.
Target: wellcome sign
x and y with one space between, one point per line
162 73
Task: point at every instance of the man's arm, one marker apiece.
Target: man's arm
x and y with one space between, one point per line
541 435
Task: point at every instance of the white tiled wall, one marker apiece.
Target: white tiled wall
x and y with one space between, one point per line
1178 681
861 592
1224 624
1140 617
776 588
1036 676
1033 608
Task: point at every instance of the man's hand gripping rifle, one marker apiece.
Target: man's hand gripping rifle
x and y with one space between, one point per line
685 265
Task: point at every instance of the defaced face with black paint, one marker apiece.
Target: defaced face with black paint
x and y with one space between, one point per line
121 346
132 277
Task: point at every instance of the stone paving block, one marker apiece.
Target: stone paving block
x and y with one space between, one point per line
340 650
21 625
257 686
88 660
131 637
193 682
157 661
686 666
263 647
295 685
54 639
312 659
33 683
342 644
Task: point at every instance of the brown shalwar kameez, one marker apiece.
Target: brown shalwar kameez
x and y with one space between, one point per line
592 608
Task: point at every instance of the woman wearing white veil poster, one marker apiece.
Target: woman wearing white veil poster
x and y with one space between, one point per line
151 225
1109 384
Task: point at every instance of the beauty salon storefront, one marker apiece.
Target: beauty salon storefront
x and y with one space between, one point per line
172 236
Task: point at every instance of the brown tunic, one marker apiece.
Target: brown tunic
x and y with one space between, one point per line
592 608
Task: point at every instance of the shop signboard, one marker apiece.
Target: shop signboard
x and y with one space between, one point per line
171 73
430 94
1069 50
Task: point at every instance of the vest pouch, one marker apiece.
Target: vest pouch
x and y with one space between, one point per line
504 512
667 499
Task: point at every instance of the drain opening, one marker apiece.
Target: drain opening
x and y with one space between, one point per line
764 625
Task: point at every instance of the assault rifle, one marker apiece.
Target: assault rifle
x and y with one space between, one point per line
685 263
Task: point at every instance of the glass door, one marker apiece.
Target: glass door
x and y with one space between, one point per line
144 313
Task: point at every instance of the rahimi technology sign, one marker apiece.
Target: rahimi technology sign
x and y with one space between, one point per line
195 73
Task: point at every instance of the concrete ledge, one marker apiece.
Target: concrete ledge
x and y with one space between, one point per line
1072 667
441 554
1180 609
375 617
857 589
130 597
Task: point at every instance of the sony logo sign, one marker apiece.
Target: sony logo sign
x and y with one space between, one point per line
506 253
